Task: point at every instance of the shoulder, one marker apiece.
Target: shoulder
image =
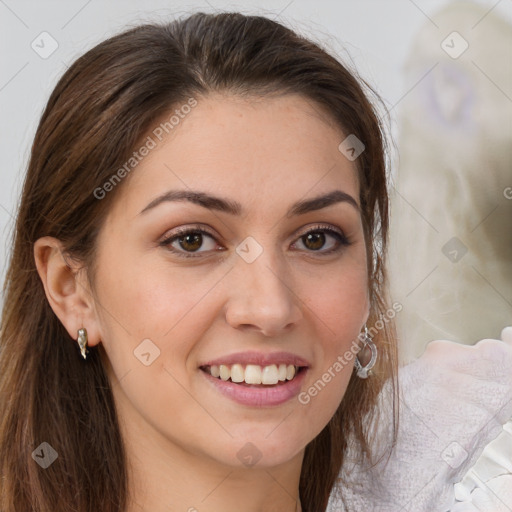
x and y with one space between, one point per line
454 400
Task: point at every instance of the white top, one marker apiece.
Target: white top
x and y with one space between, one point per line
454 446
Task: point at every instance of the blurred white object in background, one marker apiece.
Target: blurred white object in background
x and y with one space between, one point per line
452 452
451 217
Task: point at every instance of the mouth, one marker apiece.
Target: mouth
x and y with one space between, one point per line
256 379
253 375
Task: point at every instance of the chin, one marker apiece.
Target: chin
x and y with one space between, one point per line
266 446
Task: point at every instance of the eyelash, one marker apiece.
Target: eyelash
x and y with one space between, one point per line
342 240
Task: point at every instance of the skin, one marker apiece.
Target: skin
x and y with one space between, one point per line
182 436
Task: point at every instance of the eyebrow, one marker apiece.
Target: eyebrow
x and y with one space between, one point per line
234 208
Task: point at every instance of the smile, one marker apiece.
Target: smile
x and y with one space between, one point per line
254 374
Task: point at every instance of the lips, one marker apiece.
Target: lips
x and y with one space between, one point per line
255 378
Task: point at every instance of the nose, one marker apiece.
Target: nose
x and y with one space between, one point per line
262 297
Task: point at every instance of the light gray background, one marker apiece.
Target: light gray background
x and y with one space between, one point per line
375 34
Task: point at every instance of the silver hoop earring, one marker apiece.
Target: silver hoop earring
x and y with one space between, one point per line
82 342
364 371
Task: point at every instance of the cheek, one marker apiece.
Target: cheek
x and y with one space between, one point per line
147 300
338 310
339 298
151 319
151 308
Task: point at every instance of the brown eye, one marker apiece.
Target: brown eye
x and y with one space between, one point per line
186 242
315 239
191 242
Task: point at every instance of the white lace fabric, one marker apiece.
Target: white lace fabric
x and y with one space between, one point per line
487 486
454 449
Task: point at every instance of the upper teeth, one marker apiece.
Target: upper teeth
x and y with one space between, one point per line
253 373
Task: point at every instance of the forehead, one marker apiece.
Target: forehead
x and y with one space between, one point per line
260 151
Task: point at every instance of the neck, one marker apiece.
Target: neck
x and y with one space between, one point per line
166 477
176 482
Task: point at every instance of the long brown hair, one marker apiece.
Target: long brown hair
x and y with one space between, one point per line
103 105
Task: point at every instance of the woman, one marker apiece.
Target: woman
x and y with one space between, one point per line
205 202
198 268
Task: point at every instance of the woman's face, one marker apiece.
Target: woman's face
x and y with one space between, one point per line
247 289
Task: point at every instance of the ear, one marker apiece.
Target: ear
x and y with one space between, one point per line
67 289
